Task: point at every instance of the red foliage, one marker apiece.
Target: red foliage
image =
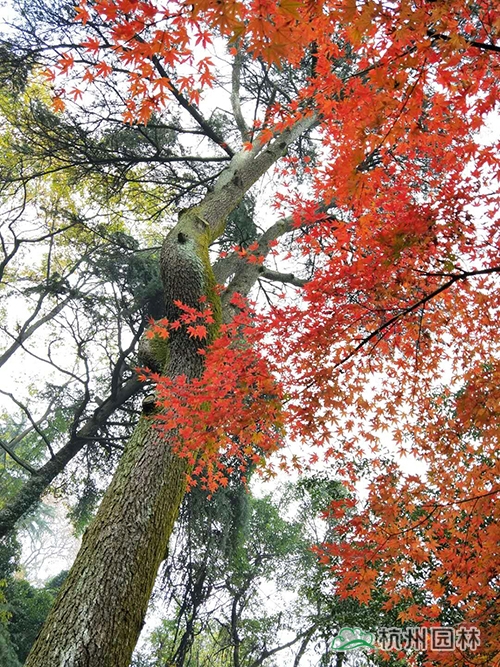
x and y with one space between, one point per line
398 328
230 419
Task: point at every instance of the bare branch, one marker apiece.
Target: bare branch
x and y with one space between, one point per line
236 99
190 108
288 278
17 458
268 653
34 423
26 330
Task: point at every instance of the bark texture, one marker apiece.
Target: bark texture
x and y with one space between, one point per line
100 611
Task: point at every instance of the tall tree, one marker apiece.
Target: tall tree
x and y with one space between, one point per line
126 180
63 273
394 257
136 516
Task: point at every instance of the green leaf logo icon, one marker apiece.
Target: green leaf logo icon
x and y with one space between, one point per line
350 639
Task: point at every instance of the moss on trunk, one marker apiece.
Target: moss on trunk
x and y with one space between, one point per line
99 613
100 610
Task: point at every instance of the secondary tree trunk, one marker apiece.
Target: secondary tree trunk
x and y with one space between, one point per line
40 481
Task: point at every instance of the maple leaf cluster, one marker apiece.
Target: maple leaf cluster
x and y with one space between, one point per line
153 39
399 49
228 421
429 546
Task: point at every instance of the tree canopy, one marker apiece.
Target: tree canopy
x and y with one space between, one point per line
373 334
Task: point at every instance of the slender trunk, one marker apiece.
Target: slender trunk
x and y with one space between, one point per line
39 482
235 638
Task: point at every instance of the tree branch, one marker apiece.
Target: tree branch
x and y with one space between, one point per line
26 330
306 639
42 478
190 108
478 45
268 653
35 425
236 99
17 458
406 311
288 278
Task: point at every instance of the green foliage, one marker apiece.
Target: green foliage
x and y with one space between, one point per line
28 444
15 67
241 229
127 142
8 656
242 577
27 608
82 512
10 551
134 271
222 522
228 549
54 584
319 490
23 608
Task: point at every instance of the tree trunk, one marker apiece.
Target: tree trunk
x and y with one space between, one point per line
100 610
98 615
